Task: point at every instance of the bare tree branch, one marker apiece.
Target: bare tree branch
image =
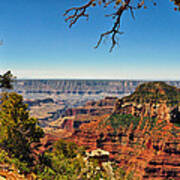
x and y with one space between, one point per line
119 6
78 12
115 29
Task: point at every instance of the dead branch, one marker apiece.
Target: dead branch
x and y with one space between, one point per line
116 27
74 13
78 12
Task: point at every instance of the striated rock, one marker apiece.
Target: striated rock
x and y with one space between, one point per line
93 108
73 118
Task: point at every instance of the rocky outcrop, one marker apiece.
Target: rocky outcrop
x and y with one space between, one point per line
154 99
102 158
165 164
93 108
73 118
160 110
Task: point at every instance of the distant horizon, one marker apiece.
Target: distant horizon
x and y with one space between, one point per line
97 79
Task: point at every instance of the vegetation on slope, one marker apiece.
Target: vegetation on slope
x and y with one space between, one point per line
67 161
18 131
117 121
155 92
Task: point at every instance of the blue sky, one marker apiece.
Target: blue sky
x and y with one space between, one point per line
39 44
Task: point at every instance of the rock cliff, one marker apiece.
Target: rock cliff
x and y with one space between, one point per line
73 118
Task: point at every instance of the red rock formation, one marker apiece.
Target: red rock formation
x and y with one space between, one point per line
160 110
93 108
75 117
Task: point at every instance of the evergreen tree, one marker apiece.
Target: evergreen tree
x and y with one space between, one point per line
18 131
6 80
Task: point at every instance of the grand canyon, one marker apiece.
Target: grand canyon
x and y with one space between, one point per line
134 125
89 90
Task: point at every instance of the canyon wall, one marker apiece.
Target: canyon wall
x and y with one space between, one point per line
150 144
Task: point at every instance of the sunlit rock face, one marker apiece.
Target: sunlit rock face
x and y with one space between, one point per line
73 118
150 99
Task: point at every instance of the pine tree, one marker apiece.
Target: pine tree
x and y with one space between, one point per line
17 129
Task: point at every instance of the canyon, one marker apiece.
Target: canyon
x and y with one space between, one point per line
140 130
51 100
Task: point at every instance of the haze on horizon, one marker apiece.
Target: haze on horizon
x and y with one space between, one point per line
38 43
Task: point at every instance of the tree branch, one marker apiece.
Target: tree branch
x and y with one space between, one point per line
115 29
78 12
73 14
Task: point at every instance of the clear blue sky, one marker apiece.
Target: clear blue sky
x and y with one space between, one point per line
39 44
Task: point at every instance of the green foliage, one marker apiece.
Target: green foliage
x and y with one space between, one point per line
13 162
130 176
175 131
6 80
17 130
122 173
4 157
117 121
67 149
67 161
64 162
123 120
177 124
155 92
